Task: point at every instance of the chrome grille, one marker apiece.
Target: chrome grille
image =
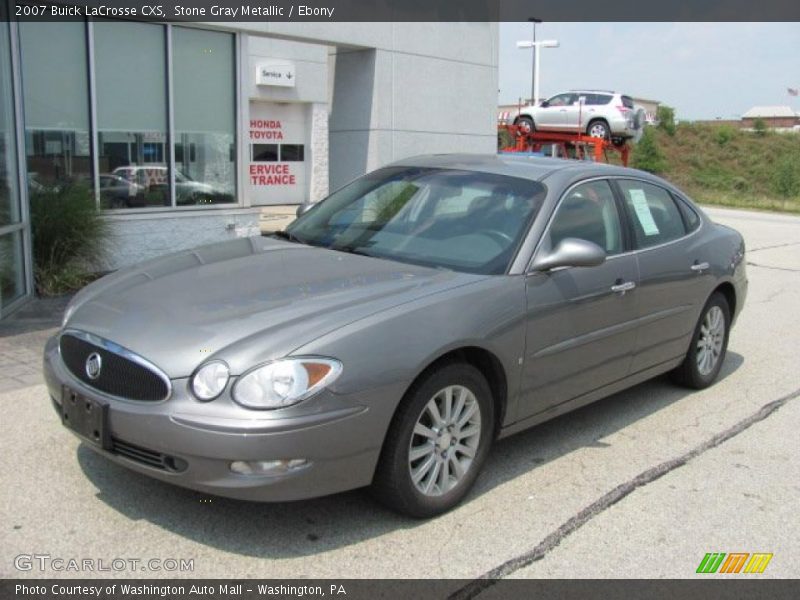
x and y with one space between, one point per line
121 374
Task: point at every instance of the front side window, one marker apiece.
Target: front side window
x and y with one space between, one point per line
562 100
655 217
451 219
588 212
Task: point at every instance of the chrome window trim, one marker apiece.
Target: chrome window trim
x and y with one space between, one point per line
115 348
529 270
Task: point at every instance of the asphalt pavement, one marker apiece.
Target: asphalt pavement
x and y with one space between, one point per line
641 484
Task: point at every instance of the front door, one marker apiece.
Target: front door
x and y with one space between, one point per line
581 321
555 115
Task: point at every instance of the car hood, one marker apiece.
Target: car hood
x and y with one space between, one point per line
266 295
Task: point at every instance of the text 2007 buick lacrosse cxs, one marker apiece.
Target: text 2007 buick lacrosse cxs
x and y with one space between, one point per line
397 328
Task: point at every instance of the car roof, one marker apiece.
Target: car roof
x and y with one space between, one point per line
613 93
536 168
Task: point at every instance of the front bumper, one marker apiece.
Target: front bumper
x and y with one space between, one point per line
339 436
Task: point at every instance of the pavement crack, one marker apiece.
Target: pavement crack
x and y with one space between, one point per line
752 264
760 248
488 579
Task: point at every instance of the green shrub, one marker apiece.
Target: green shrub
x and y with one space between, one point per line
504 139
646 154
69 237
724 134
665 115
760 127
785 180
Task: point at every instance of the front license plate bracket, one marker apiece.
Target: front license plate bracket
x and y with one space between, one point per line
86 417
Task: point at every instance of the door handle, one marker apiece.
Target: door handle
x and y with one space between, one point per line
621 288
563 110
699 267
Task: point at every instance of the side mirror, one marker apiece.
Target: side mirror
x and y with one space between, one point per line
303 209
544 104
571 252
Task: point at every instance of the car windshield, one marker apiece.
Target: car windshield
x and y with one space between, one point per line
452 219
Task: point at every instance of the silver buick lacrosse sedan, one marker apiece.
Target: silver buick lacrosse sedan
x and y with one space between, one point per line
396 329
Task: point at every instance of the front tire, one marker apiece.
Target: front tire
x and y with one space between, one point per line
437 442
709 345
525 125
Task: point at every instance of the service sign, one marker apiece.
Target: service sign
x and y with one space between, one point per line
277 133
276 74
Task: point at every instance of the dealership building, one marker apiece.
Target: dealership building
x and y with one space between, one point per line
183 133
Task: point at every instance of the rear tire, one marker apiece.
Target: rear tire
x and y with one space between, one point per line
706 354
598 129
432 455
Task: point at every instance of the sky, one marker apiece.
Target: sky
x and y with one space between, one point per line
703 70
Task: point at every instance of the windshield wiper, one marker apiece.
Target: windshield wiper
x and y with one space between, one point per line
287 235
351 250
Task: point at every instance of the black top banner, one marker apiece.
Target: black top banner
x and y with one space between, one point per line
409 10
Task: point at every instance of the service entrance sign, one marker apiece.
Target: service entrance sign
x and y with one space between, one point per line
277 169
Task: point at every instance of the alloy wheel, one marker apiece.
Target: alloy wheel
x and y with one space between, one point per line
598 130
445 440
710 341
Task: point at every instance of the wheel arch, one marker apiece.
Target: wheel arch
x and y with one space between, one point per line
729 292
486 362
594 120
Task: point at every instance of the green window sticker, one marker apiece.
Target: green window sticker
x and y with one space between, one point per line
639 201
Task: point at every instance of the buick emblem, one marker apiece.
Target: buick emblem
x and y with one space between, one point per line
93 365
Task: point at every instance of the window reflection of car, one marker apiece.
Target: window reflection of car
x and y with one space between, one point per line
187 190
117 192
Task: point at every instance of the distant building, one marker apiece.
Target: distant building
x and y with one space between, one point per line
650 108
774 117
185 131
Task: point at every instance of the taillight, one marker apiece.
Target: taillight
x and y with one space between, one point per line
623 109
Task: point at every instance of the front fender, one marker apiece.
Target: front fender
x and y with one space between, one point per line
398 344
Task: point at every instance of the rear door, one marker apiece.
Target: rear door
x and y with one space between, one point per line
673 271
581 322
594 106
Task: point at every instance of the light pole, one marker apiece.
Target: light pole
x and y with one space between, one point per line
537 46
534 21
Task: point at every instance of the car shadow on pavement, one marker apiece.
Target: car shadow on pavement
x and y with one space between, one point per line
310 527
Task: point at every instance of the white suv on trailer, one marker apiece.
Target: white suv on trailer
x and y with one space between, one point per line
602 114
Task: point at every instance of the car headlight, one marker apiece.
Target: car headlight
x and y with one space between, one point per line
285 382
210 380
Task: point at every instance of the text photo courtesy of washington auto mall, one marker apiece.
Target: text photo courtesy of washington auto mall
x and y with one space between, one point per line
451 300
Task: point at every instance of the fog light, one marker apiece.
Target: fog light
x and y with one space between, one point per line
268 468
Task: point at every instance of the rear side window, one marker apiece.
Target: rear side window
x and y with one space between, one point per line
599 99
690 217
655 216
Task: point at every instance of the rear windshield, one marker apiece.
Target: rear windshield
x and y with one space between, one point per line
627 101
460 220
